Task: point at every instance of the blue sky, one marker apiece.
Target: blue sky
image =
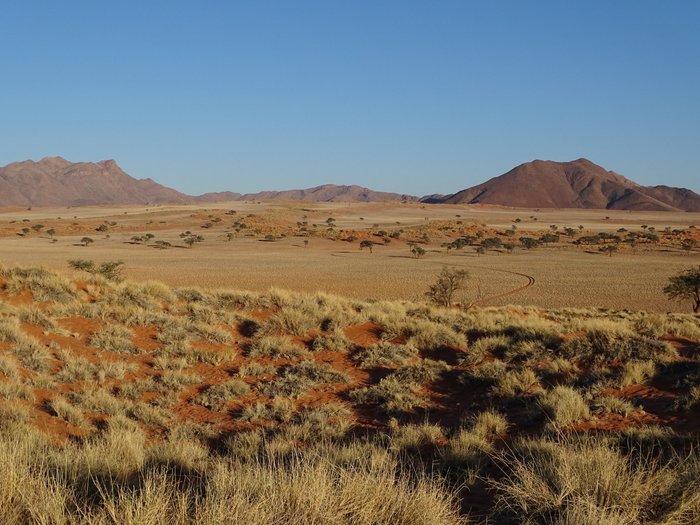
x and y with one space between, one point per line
414 97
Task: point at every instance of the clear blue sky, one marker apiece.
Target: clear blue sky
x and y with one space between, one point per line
406 96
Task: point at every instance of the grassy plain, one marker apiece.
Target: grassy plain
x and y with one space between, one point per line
138 403
553 275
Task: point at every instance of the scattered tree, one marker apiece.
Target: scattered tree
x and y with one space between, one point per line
608 248
191 239
85 241
417 251
490 243
448 282
689 244
367 244
529 242
685 285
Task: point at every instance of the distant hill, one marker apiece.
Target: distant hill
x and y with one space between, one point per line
54 181
329 193
576 184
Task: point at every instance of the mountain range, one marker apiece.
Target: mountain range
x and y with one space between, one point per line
54 181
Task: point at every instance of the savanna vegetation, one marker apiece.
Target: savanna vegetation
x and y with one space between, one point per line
131 402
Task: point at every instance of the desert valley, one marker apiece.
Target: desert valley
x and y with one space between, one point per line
338 355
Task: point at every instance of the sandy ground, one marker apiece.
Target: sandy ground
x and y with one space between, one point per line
548 277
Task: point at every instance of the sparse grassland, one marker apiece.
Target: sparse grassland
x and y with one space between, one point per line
135 403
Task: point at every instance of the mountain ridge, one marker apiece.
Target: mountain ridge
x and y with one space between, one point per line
55 181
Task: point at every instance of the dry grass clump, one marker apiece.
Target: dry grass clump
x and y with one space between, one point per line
420 372
33 356
128 295
415 437
490 424
149 414
385 354
255 369
637 372
214 396
113 370
204 314
426 335
45 285
15 389
115 339
563 406
486 373
331 420
276 347
591 482
465 451
175 380
61 408
37 317
495 345
391 394
97 400
213 334
297 379
289 321
657 325
613 405
74 368
281 410
336 341
604 346
514 382
10 331
8 366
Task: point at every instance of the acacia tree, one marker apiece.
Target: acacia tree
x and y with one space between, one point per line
608 248
448 282
191 239
367 244
685 285
689 244
417 251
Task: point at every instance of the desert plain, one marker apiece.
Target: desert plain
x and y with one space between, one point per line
281 362
312 246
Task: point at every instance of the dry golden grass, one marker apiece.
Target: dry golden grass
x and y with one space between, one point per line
134 403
